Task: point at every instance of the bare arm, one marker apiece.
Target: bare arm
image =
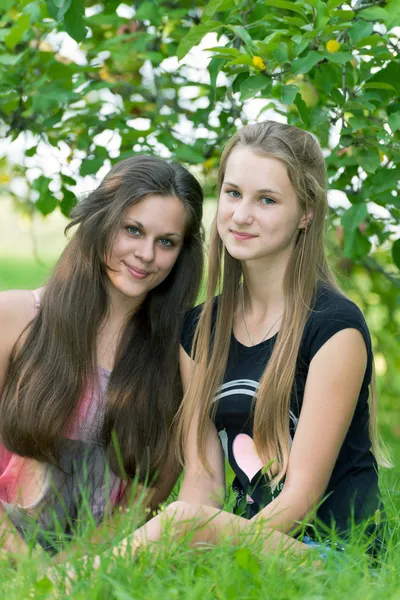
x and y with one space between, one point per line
332 389
16 311
199 486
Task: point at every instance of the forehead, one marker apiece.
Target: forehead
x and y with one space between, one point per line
159 214
246 168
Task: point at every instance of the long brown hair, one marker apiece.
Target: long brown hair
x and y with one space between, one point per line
301 154
50 372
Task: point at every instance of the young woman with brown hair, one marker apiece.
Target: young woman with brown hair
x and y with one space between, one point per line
89 372
277 366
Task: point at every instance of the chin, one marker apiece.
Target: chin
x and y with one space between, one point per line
239 253
130 290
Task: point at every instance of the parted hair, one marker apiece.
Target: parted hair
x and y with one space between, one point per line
300 152
50 371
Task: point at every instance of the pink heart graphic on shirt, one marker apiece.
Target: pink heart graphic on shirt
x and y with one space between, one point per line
246 456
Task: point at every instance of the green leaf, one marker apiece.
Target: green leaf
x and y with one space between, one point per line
343 15
6 5
215 6
332 4
360 30
281 53
369 159
148 11
357 123
190 155
306 63
33 10
90 166
9 60
73 21
252 85
289 93
228 52
243 34
58 8
394 121
322 14
286 5
67 179
31 151
354 216
16 32
214 67
396 253
237 82
302 108
46 203
68 202
379 85
194 37
356 245
374 13
340 58
245 59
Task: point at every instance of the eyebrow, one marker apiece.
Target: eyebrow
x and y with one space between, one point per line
263 191
141 226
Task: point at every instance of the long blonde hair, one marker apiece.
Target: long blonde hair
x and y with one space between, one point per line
301 154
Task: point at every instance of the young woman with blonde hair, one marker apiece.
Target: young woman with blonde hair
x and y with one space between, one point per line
89 372
277 362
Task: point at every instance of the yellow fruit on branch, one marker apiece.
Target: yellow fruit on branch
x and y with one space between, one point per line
333 46
258 63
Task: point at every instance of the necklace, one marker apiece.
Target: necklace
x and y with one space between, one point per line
247 328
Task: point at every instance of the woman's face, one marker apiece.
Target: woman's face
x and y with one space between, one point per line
259 214
147 245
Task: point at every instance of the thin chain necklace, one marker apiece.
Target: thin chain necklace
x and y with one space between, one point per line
247 328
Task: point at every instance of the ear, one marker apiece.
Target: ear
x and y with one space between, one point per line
306 219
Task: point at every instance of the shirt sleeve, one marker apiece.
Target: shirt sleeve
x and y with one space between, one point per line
325 321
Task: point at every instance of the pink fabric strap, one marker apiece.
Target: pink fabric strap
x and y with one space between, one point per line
37 299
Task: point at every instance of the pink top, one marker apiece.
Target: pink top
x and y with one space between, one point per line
27 484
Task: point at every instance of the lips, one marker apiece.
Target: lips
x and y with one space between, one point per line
136 272
241 235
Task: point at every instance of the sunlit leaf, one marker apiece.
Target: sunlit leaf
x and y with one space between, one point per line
252 85
74 21
306 63
17 31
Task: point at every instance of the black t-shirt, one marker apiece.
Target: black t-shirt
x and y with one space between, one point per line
353 490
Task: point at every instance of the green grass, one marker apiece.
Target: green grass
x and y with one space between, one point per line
174 570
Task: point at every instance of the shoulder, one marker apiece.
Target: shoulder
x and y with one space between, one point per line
332 312
17 309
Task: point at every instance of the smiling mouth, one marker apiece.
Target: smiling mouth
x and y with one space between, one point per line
241 235
137 273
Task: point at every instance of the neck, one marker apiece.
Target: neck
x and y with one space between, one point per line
121 307
263 283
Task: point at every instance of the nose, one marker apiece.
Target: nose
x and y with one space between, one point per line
243 214
145 251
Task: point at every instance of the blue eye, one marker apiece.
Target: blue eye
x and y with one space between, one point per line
132 230
265 200
232 193
166 243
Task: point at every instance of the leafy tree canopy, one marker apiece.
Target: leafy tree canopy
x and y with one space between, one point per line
327 66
